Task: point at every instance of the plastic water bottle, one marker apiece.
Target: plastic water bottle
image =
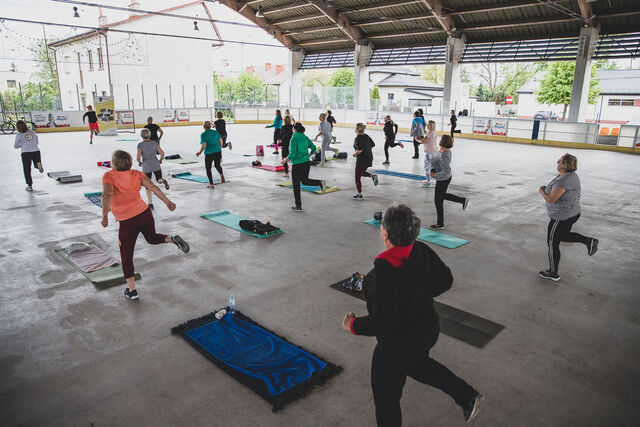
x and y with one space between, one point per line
232 304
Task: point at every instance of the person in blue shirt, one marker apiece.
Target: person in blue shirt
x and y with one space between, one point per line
211 144
277 128
417 130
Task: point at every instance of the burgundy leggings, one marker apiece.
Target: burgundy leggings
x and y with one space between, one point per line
361 170
128 234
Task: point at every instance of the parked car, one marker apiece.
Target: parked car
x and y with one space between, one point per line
545 115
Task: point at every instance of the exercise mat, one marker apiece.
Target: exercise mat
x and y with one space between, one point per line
95 198
400 174
226 218
311 188
176 158
195 178
277 370
64 177
270 168
431 236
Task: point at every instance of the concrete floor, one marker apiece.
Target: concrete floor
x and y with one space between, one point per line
71 354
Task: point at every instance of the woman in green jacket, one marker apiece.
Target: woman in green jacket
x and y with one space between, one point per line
299 153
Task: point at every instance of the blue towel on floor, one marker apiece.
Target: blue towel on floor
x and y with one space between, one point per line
401 174
256 353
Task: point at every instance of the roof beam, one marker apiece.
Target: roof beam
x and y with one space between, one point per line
248 13
499 6
436 7
619 12
325 41
306 17
585 11
403 33
312 29
387 4
339 19
517 23
389 19
294 5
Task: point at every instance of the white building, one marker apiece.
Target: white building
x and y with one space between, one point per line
142 71
619 99
12 79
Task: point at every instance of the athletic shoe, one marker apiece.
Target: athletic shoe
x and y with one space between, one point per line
222 180
473 407
437 226
386 162
374 177
151 206
286 175
179 242
465 203
229 144
358 197
91 141
211 186
275 152
29 188
166 184
296 209
427 184
592 246
547 274
401 145
40 168
323 185
415 157
131 294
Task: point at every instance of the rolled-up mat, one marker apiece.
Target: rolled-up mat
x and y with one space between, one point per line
431 236
455 323
195 178
400 174
277 370
64 177
105 164
226 218
176 158
95 198
311 188
102 278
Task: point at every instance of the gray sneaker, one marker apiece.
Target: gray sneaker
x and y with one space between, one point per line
179 242
29 188
473 407
374 177
592 247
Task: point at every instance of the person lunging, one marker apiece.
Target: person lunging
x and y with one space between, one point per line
211 144
147 157
390 131
441 171
27 141
364 158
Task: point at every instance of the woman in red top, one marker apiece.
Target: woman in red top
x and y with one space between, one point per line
121 195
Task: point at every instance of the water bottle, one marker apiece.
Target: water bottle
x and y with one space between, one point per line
232 304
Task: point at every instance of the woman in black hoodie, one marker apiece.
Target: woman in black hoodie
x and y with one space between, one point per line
399 292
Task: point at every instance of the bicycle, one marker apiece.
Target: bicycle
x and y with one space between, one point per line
9 125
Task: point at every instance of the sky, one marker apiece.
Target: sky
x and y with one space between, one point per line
15 36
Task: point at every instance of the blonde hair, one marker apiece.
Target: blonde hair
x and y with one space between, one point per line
446 141
570 162
287 120
431 122
207 124
145 133
361 127
121 160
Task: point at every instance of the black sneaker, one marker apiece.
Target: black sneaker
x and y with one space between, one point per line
130 294
275 152
415 157
465 203
548 274
592 247
91 141
437 226
296 209
358 197
386 162
179 241
151 206
166 184
229 145
374 177
473 407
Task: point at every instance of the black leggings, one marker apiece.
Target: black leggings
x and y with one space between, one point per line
224 141
441 195
300 174
390 367
212 158
559 230
389 142
276 137
27 159
285 153
416 144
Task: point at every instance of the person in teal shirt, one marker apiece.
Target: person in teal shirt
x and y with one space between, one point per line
299 153
277 129
211 144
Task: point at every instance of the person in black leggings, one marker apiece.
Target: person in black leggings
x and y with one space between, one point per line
390 130
211 143
453 122
441 171
285 137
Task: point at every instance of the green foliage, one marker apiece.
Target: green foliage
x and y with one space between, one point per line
557 84
374 93
464 75
432 73
344 77
313 78
605 64
248 89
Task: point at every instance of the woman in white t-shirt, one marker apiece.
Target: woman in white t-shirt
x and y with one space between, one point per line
27 141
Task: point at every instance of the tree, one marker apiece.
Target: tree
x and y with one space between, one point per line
605 64
464 75
313 78
557 84
374 93
344 77
432 73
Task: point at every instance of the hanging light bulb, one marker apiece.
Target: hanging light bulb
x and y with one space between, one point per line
75 12
195 26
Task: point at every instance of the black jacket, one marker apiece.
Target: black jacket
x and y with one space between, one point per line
400 299
285 135
364 143
390 130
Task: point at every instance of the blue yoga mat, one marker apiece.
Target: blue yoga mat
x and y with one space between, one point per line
95 198
195 178
270 365
401 174
431 236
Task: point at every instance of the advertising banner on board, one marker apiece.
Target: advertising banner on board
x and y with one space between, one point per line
176 116
50 119
105 109
489 127
124 117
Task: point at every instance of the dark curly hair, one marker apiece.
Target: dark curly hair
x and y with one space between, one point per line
299 128
402 224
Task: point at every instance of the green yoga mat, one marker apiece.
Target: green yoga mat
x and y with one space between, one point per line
195 178
230 220
180 161
103 278
431 236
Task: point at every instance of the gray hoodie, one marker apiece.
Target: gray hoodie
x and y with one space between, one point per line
27 141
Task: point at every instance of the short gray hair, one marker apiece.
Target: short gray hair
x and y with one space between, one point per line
401 223
145 133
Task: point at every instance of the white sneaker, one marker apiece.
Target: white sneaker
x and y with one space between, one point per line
29 188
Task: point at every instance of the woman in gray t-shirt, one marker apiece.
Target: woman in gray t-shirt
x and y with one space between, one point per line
562 197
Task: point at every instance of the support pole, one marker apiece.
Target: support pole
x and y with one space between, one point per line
361 56
582 74
451 91
142 92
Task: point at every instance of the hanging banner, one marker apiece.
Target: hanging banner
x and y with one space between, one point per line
176 116
105 109
50 119
489 127
124 117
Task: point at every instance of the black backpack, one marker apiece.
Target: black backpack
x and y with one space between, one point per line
341 155
257 227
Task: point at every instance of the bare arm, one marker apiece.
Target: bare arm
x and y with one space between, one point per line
161 134
556 193
203 146
356 153
138 157
220 141
146 183
161 152
107 196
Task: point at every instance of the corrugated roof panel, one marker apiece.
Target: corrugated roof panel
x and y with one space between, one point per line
331 47
421 40
291 12
307 23
327 34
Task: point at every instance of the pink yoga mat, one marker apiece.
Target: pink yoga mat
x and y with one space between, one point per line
270 168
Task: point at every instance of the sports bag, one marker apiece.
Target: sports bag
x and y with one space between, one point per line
257 227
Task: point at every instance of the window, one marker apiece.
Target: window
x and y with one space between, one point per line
614 102
627 103
90 56
67 59
80 71
621 102
11 84
100 60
